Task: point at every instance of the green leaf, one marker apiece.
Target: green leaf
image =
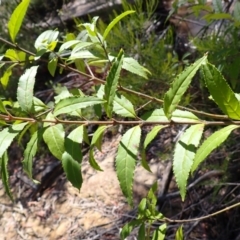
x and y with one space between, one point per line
127 229
150 136
179 87
8 134
5 175
126 160
184 154
217 16
5 78
211 143
54 138
112 83
142 208
16 19
160 232
177 116
47 40
97 137
114 22
123 107
71 104
39 105
68 44
217 5
236 11
52 65
134 67
31 151
179 233
77 135
141 232
220 91
25 89
93 162
2 107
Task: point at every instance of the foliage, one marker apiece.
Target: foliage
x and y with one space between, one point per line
29 115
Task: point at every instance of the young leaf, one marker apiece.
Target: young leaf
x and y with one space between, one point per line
211 143
68 44
160 232
71 104
47 40
179 233
141 232
31 151
92 161
52 65
97 137
184 154
54 138
5 175
220 91
114 22
123 107
5 78
16 19
179 87
177 116
112 82
25 89
134 67
8 134
126 160
127 229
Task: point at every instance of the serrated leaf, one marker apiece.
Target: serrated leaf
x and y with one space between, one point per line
160 232
114 22
31 151
220 91
112 83
150 136
177 116
93 162
126 160
184 154
123 107
25 89
72 158
5 175
16 19
132 65
97 137
8 134
54 138
46 41
211 143
71 104
179 87
179 234
52 65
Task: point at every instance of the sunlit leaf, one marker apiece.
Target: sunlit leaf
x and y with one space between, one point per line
46 40
52 65
184 154
179 234
160 232
97 137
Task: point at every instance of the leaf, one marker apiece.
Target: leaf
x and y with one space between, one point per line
93 162
123 107
184 154
217 5
16 19
77 134
141 232
5 175
236 11
150 136
72 158
54 138
46 40
126 160
160 232
220 91
71 104
131 65
211 143
179 233
68 44
2 107
217 16
52 65
25 89
127 229
112 83
8 134
31 151
114 22
97 137
177 116
5 78
179 87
